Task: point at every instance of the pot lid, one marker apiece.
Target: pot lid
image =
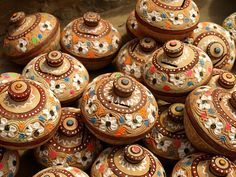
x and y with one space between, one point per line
72 144
216 42
9 162
230 25
176 69
132 26
223 79
61 171
134 54
165 15
90 37
200 164
118 109
9 76
29 114
65 75
129 161
213 115
27 33
168 139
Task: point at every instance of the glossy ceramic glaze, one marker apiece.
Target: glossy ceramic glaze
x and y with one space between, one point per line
230 25
132 26
31 35
62 73
92 40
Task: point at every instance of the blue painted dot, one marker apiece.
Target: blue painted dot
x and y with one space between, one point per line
110 47
57 107
66 79
68 46
32 77
21 136
158 173
85 78
188 163
93 120
41 118
69 159
163 78
92 93
10 174
122 120
207 28
211 111
186 20
202 62
163 15
40 36
190 83
222 138
146 122
88 43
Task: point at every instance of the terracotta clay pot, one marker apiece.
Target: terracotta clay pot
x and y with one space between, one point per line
92 40
117 109
175 70
31 35
132 26
210 120
132 160
62 73
165 20
9 76
230 25
29 114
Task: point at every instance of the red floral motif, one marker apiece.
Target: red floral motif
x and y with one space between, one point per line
189 73
228 126
152 69
72 92
177 143
166 88
52 154
203 115
90 147
1 166
210 69
101 168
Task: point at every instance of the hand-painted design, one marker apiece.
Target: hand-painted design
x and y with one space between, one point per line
6 129
215 125
85 159
196 162
133 70
77 81
133 122
67 39
67 172
154 16
232 136
115 41
184 149
204 102
108 122
100 47
199 72
180 173
177 20
12 164
34 130
193 14
45 26
91 107
229 25
22 45
81 47
56 87
151 113
132 167
161 143
166 6
177 80
51 114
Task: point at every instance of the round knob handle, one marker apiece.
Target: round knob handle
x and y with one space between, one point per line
215 50
173 48
91 19
220 166
232 100
134 153
18 18
123 86
147 44
19 90
54 58
227 80
176 112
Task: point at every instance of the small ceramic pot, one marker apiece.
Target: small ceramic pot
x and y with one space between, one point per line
92 40
31 35
9 162
168 139
134 55
223 79
29 114
118 109
8 77
132 160
61 171
201 165
73 144
165 20
209 120
175 70
230 25
132 26
216 42
62 73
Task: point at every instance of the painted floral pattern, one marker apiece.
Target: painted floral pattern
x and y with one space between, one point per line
229 24
45 26
108 123
22 45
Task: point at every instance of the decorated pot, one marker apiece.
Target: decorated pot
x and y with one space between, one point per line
29 114
175 70
168 139
73 144
132 26
9 162
223 79
134 55
230 25
31 35
92 40
61 171
210 120
129 161
202 165
64 74
167 19
118 109
216 42
9 76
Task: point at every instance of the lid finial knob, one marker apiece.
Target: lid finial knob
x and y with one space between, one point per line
227 80
176 112
173 48
17 18
134 153
147 44
19 90
220 166
215 50
54 58
91 19
123 86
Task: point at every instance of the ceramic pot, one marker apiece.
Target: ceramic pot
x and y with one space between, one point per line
230 25
132 26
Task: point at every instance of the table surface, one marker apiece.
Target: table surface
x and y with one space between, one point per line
210 10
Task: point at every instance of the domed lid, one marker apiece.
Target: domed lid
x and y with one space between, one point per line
132 160
27 33
223 79
132 26
118 109
9 162
174 16
134 54
230 25
168 139
9 76
72 144
29 114
200 164
61 171
90 37
176 69
213 115
64 74
216 42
